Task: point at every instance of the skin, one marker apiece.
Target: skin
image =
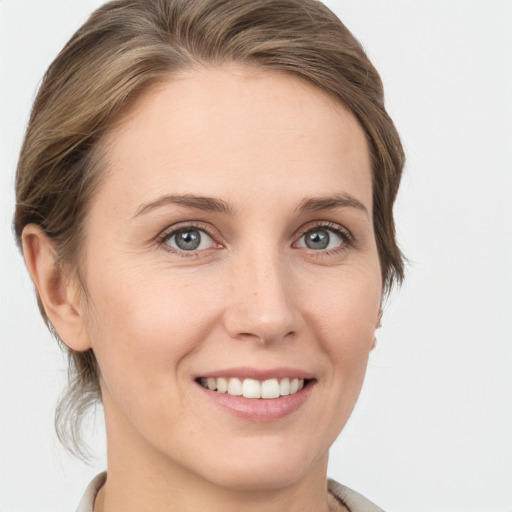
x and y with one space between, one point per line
255 295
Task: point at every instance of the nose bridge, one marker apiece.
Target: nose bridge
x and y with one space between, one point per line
263 303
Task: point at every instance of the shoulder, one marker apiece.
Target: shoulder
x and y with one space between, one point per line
87 502
352 500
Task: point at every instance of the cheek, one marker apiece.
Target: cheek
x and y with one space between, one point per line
143 332
346 315
143 323
347 301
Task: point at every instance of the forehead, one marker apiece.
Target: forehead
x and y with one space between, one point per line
223 131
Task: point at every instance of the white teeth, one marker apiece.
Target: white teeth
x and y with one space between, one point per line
235 387
251 388
222 385
284 387
270 389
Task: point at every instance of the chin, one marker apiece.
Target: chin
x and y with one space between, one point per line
263 469
260 478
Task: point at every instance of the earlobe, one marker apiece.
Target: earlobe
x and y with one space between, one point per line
378 326
56 289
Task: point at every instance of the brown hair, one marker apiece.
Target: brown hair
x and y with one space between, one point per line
127 46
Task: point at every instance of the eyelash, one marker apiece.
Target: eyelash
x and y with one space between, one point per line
166 235
343 233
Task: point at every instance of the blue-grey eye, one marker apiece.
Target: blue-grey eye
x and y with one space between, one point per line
189 239
319 239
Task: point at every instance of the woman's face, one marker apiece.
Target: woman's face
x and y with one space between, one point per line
231 244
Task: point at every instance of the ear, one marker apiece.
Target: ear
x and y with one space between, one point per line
56 286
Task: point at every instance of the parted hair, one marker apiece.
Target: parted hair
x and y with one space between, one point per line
127 46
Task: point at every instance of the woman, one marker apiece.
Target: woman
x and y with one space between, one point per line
204 203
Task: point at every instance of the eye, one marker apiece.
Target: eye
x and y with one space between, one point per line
322 238
188 239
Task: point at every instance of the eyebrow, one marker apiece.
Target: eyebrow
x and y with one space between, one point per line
208 204
315 204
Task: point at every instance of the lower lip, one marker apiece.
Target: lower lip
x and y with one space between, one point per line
261 409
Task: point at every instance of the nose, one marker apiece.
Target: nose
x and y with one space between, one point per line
263 303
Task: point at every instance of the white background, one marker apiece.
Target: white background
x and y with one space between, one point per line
433 429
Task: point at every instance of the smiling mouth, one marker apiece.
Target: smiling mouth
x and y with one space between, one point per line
252 388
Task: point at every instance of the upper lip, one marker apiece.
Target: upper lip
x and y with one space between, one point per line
258 374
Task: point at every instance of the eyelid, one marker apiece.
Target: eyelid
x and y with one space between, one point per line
170 231
343 232
340 230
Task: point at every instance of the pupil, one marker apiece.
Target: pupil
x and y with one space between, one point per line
188 240
317 239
